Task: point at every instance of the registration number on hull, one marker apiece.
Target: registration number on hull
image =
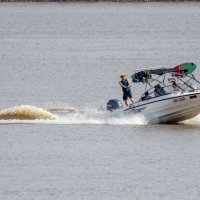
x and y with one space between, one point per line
179 99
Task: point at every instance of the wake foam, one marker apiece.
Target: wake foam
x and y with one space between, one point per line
193 121
99 116
68 115
25 112
71 115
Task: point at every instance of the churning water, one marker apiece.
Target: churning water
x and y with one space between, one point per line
70 115
67 115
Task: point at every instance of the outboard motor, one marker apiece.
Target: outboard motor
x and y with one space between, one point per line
114 104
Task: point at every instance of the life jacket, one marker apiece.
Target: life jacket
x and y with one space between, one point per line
126 83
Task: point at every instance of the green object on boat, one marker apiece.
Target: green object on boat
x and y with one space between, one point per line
190 67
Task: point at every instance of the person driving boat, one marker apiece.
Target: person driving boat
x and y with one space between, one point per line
159 91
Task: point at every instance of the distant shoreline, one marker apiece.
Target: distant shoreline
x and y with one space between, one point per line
94 1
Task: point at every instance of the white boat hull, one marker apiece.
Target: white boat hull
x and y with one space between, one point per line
171 108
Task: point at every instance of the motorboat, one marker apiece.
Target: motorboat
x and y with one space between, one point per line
171 95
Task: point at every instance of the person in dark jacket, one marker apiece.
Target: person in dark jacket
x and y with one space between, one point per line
126 88
159 91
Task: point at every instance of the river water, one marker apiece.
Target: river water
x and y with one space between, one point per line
68 57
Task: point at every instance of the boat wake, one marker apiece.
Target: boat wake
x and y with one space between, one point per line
99 116
25 112
70 115
67 115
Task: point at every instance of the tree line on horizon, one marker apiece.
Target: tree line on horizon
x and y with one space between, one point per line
100 1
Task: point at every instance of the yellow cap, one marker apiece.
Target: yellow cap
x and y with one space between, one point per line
122 75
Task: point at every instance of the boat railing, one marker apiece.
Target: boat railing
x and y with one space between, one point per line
170 84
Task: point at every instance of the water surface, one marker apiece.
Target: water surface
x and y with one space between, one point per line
70 56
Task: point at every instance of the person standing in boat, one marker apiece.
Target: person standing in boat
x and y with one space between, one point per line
126 88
